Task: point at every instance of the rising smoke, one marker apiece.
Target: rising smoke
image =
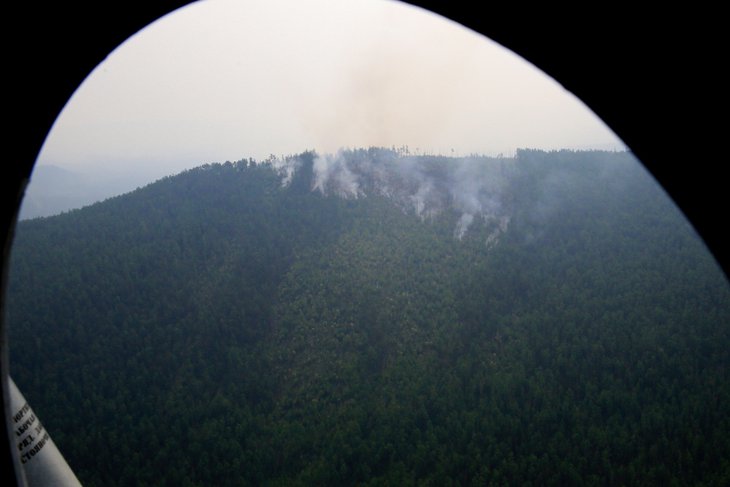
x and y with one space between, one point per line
425 185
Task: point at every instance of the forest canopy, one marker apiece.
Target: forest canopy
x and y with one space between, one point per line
373 317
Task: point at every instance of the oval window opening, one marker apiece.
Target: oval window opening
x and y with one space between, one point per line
338 243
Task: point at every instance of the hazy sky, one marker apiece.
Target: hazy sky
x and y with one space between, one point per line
225 79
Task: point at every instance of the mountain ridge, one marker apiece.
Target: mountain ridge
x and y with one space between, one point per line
321 320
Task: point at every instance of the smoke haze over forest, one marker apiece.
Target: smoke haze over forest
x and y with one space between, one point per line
373 317
220 80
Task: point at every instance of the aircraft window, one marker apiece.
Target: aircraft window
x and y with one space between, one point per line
326 242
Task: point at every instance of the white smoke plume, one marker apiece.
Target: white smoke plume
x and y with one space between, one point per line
332 173
426 185
463 225
286 167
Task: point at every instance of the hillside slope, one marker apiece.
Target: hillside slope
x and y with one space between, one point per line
374 318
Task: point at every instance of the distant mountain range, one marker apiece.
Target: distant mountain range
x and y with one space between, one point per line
376 318
54 189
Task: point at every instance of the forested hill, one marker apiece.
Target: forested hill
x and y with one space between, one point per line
377 318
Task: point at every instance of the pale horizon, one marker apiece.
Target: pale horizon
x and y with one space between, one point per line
225 80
